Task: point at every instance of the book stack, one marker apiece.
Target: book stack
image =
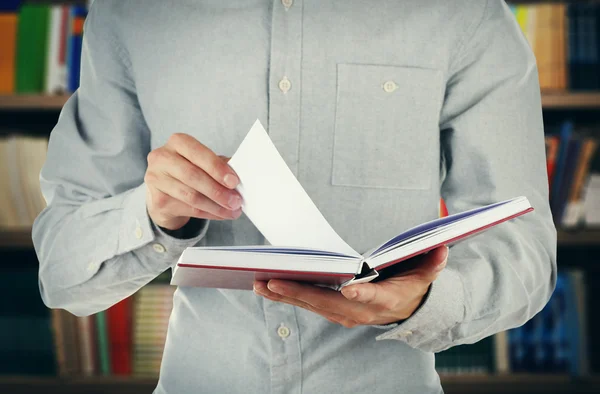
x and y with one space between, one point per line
573 160
21 199
40 47
127 339
152 310
564 39
553 341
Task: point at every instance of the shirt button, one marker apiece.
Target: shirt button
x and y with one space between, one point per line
283 331
138 232
285 85
390 86
287 3
91 266
158 248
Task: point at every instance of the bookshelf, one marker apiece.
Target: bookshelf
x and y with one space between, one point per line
36 114
519 384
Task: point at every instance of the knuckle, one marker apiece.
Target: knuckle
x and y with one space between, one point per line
219 194
150 177
190 197
176 139
154 156
160 200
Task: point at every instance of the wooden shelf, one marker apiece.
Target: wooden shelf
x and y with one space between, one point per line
458 384
15 238
32 102
568 100
550 100
579 238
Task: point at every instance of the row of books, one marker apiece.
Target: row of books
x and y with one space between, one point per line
554 341
127 339
573 162
21 160
40 49
565 41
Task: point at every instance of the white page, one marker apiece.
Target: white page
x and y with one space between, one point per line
275 201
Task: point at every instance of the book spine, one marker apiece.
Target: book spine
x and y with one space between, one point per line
31 48
8 32
103 343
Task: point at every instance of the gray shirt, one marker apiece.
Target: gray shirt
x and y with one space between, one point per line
385 106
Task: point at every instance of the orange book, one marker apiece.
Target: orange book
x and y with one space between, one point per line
8 32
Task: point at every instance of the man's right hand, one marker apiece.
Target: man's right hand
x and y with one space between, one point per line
185 179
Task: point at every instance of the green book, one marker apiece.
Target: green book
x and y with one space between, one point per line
31 48
103 348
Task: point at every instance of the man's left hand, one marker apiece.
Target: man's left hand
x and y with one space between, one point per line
388 301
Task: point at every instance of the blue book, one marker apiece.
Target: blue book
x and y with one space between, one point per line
566 132
77 16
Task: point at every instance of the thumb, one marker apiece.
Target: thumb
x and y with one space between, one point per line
433 263
366 293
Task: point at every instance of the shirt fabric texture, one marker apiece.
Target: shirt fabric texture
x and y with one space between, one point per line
378 107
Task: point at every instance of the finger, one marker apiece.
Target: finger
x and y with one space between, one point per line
193 201
320 298
261 289
433 263
183 170
204 158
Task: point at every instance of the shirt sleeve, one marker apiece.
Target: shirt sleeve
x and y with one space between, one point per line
95 242
492 143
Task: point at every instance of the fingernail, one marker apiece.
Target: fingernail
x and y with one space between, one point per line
234 201
231 181
350 294
274 288
258 288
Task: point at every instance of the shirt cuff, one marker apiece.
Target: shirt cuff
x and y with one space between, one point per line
428 329
138 233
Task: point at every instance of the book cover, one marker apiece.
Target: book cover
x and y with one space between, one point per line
311 250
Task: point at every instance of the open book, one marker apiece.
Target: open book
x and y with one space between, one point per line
303 246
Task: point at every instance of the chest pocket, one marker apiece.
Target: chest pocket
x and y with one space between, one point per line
386 126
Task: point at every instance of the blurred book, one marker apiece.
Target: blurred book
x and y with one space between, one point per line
564 40
572 162
553 341
41 47
21 199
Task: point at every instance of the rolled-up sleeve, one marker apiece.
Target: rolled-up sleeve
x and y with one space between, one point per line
95 241
492 142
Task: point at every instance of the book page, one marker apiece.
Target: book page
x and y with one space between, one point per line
274 200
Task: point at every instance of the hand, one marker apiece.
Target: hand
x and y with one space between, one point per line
379 303
185 179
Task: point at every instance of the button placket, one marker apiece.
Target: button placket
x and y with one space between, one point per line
285 79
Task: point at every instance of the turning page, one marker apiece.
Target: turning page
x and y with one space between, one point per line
274 200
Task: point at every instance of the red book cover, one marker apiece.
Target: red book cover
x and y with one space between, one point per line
120 339
552 143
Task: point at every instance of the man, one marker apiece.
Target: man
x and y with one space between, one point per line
378 107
